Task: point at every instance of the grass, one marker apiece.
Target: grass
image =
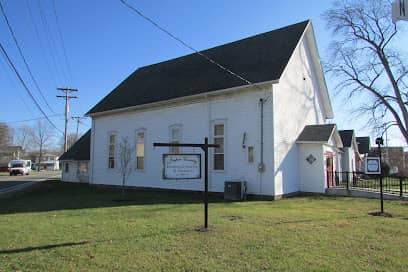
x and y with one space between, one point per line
71 227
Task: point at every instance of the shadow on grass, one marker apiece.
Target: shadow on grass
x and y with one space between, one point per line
54 195
27 249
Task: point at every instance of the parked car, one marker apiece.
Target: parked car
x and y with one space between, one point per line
22 167
4 168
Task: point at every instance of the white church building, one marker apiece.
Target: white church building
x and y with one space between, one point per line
273 134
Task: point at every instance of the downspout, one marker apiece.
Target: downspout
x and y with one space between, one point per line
261 165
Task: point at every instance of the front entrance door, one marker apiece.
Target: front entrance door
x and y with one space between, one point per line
329 169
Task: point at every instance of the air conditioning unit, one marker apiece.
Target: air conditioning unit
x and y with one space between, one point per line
235 190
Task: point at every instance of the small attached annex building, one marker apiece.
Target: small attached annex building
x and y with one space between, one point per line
75 162
189 98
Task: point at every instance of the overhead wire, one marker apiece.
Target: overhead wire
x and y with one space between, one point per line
34 119
41 43
54 8
23 57
185 44
5 66
51 43
26 87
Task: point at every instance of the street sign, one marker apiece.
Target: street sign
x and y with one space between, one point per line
182 166
372 165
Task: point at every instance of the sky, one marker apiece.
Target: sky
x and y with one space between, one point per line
93 45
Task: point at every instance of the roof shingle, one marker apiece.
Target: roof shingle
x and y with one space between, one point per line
258 59
346 137
81 149
316 133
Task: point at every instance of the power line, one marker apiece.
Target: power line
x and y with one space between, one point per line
51 42
187 45
62 39
6 66
33 119
41 42
25 86
24 59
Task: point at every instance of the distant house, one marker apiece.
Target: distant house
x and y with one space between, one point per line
75 162
272 133
350 157
394 157
363 144
49 161
11 152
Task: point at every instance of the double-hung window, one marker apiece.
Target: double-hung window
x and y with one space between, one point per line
140 150
175 138
218 161
111 155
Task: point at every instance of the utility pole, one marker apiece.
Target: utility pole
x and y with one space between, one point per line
78 119
66 96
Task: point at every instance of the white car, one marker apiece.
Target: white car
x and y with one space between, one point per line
22 167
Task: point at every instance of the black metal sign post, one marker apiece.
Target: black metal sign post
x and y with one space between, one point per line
379 141
204 147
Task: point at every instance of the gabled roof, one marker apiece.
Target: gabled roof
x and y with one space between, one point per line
316 133
363 144
259 58
346 137
80 151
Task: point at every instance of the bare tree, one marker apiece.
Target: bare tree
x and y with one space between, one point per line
71 139
5 135
126 149
41 136
366 62
22 136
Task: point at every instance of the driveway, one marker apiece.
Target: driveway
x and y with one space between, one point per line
9 182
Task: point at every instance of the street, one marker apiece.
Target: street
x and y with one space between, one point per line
7 182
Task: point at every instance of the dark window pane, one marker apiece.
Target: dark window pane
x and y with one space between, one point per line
218 161
111 163
219 130
219 141
140 163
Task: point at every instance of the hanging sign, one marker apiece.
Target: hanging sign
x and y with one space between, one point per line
181 166
372 165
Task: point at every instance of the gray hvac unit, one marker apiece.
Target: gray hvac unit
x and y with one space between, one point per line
235 190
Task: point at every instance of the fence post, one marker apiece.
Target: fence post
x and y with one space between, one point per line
327 179
347 179
400 186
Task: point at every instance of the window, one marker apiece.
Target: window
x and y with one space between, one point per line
175 138
66 167
140 150
111 160
250 154
219 151
82 168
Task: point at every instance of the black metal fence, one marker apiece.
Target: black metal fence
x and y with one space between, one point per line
359 180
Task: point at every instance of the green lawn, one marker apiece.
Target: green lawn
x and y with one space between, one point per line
71 227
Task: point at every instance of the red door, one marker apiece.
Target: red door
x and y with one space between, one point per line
329 169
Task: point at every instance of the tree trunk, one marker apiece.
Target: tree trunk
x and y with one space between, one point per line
39 159
123 187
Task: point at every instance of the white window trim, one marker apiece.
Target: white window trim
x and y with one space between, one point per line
144 155
211 153
180 128
109 133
